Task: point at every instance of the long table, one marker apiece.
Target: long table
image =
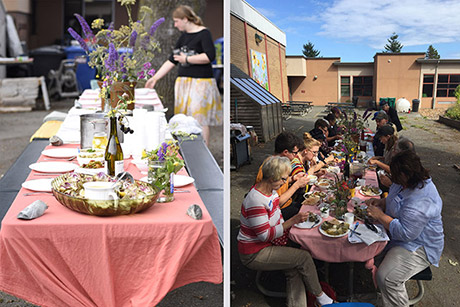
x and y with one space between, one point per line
65 258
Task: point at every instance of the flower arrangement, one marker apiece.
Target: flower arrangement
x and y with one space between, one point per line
342 195
351 126
163 162
119 55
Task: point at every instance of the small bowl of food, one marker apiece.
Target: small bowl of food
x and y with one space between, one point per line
141 164
323 184
311 200
85 156
312 179
333 169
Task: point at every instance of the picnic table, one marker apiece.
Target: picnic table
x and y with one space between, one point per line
290 108
339 250
340 105
65 258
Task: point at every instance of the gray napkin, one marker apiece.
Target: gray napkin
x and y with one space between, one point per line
34 210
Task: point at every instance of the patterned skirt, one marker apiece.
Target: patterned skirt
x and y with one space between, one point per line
199 98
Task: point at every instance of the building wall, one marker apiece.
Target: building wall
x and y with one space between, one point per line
440 102
213 18
350 71
47 30
397 75
320 90
243 40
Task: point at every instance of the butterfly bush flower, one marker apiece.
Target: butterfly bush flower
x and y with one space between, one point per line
132 40
155 25
79 39
84 26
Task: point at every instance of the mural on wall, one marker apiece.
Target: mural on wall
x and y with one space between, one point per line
259 68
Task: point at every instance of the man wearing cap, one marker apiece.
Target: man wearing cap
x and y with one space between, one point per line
392 115
381 119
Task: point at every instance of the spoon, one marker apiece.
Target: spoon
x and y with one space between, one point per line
124 175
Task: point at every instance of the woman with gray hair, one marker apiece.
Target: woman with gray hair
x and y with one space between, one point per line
263 236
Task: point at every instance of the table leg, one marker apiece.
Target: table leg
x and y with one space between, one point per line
350 281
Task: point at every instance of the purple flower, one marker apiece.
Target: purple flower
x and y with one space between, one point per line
110 62
78 38
151 72
141 75
162 151
354 116
132 40
345 115
155 25
147 65
84 26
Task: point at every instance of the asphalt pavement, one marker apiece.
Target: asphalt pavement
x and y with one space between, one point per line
15 132
439 149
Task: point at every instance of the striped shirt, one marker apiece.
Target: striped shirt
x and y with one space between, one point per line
261 221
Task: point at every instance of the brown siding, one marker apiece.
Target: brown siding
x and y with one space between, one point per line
213 18
397 76
319 91
238 54
47 30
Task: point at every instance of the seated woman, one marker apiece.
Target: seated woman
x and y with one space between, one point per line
263 233
310 155
333 134
320 132
412 215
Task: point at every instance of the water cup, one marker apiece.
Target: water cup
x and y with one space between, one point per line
99 190
349 218
325 212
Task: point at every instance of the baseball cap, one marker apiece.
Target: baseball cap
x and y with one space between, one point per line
383 103
380 115
386 130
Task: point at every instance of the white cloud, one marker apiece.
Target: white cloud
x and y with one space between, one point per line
417 22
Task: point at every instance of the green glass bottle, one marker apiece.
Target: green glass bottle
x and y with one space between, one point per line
113 154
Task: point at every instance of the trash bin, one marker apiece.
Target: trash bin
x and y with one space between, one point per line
392 102
239 148
45 59
84 73
372 105
415 105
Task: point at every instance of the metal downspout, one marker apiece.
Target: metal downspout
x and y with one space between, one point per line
435 90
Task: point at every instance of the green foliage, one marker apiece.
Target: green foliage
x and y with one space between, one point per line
432 53
454 112
309 50
393 46
457 93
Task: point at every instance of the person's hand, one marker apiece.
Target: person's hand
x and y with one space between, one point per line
151 83
375 212
301 181
320 173
371 202
181 58
299 217
298 175
373 161
385 180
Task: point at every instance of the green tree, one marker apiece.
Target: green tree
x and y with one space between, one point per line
393 46
432 53
309 50
167 37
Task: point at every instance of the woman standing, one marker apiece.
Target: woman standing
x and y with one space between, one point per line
196 92
412 215
263 234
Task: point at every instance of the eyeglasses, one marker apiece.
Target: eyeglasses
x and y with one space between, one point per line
294 152
284 179
314 152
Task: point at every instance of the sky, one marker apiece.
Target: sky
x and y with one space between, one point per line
355 30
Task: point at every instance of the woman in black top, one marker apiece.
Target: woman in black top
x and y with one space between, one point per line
196 92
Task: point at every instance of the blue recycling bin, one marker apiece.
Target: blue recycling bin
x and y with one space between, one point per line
84 73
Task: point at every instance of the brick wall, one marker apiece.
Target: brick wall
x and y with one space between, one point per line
270 47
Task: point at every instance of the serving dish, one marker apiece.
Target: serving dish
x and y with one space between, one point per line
334 228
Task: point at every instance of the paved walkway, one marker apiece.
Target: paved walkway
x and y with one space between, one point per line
438 147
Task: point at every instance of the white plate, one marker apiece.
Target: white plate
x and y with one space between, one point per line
145 179
332 236
307 224
53 167
371 195
89 171
60 152
38 185
180 180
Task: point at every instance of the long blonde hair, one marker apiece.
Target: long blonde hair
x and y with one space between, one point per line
185 11
309 141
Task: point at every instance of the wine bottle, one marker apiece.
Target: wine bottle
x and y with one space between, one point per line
113 154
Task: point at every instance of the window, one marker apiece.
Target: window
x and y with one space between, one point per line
428 85
447 85
345 86
362 86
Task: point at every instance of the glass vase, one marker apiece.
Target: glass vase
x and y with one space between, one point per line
161 180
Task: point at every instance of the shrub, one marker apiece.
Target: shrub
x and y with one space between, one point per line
454 112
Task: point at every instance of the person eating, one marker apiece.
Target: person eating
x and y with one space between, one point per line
411 213
263 236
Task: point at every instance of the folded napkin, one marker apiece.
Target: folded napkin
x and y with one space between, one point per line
34 210
368 236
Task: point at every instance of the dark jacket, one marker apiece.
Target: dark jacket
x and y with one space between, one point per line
394 118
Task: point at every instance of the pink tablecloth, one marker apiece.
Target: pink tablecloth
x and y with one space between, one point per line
65 258
338 249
